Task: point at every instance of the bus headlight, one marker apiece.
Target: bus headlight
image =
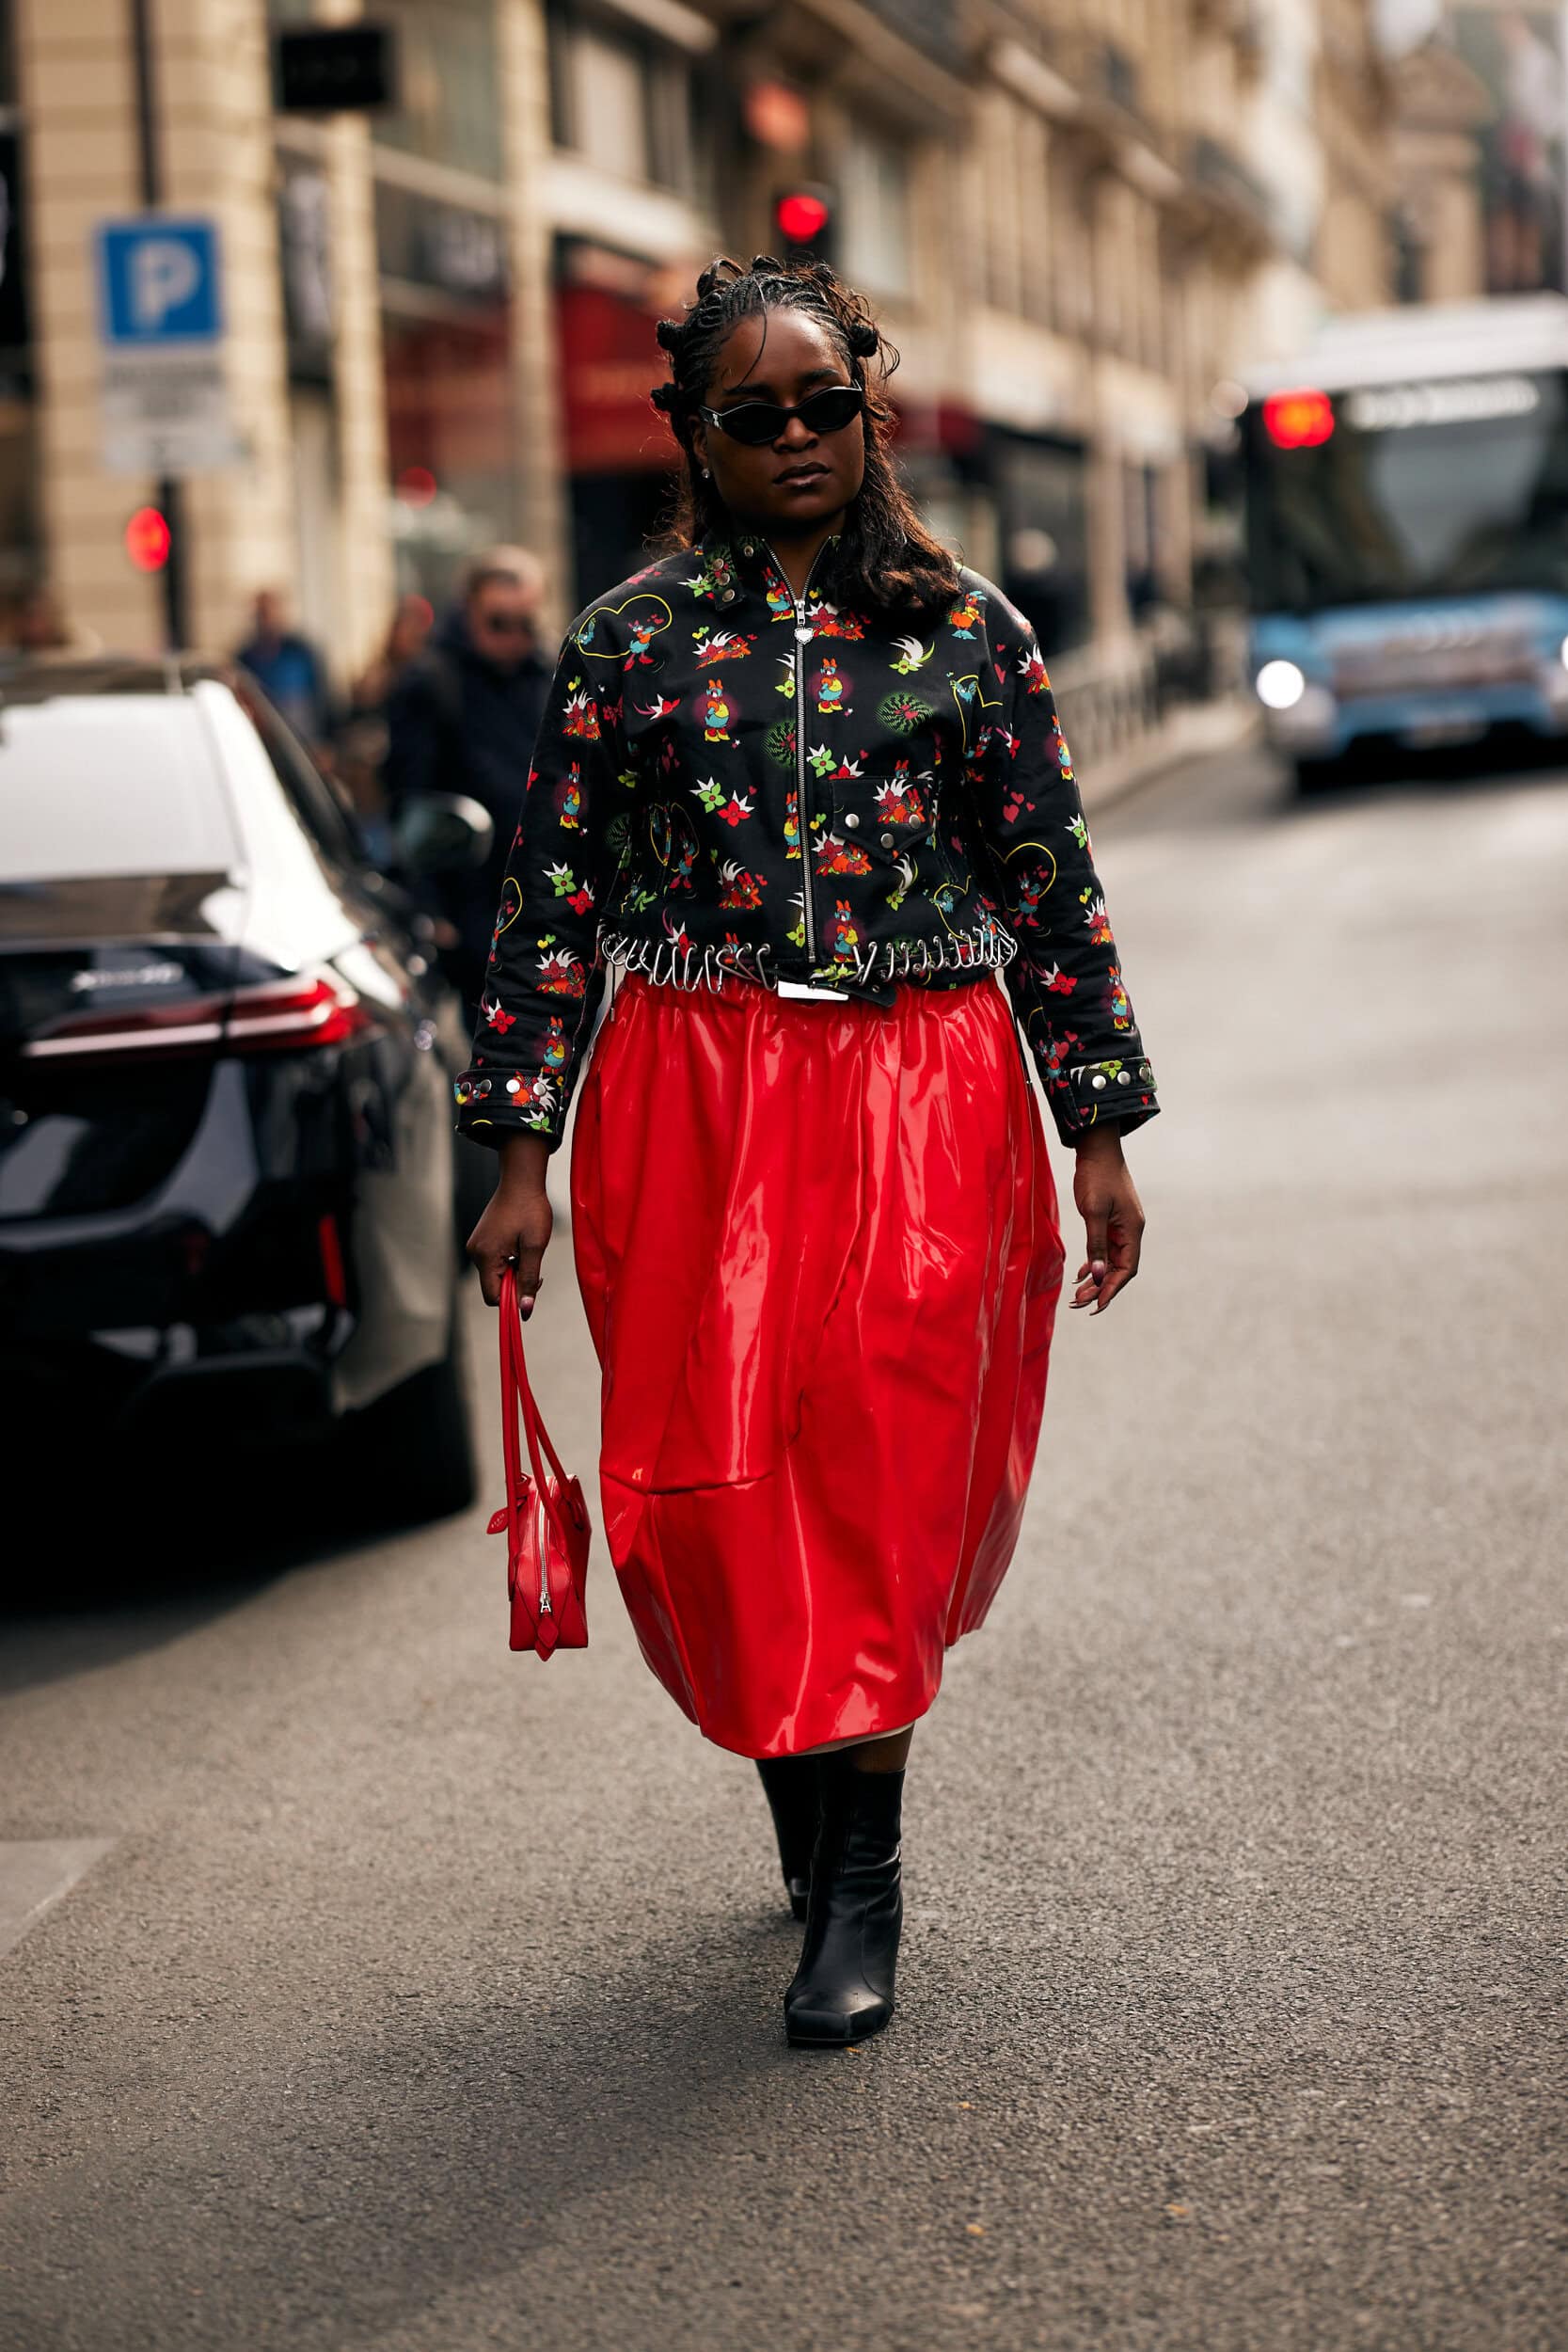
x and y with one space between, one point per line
1280 685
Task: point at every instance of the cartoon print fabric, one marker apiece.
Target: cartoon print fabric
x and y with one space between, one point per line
728 789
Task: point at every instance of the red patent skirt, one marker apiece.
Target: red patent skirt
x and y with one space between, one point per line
818 1248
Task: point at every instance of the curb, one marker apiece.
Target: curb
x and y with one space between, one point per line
1198 731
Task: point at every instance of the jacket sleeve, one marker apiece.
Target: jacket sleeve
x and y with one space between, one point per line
544 981
1066 980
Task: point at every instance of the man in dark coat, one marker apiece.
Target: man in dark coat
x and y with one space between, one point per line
462 718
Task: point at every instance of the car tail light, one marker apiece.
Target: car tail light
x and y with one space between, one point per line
308 1009
330 1243
314 1008
195 1024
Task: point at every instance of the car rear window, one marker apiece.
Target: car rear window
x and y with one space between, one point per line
105 784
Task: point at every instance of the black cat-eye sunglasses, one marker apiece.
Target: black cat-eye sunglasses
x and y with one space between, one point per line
757 422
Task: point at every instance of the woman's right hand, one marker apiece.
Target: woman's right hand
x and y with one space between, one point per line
515 1228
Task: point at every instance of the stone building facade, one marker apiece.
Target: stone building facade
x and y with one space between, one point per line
1075 216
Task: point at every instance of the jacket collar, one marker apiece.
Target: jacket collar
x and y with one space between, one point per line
744 554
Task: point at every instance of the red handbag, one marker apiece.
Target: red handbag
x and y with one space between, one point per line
546 1526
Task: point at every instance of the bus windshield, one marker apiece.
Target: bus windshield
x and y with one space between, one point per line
1448 488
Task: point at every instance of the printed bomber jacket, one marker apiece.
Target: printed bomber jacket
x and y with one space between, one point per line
730 786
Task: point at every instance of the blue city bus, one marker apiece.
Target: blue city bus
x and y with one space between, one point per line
1407 530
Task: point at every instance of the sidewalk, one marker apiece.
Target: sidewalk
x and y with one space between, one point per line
1194 731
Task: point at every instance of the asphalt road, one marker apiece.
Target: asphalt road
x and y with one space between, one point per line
425 1999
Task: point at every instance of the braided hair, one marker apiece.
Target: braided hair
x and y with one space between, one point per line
885 559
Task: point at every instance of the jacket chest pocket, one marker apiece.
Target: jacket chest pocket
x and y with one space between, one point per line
884 806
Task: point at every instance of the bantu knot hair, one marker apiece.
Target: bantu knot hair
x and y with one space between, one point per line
717 274
726 294
885 558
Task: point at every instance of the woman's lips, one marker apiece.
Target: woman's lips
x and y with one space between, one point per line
800 477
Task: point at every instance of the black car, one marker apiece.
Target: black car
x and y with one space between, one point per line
227 1161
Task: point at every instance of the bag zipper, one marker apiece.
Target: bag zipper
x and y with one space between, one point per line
547 1607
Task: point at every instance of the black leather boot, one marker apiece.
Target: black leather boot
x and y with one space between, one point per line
843 1989
789 1784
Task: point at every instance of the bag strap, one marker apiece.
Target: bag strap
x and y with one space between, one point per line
517 1404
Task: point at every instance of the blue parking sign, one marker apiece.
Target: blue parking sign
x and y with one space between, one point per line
158 282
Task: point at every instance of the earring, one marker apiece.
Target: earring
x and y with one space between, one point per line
704 474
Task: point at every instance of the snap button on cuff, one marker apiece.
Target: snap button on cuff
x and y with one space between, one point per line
851 822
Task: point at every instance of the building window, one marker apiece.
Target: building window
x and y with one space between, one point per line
1410 259
450 76
875 187
608 95
1031 200
624 103
998 222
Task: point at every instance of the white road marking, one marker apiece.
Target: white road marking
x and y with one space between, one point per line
35 1873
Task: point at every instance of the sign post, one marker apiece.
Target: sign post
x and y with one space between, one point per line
165 393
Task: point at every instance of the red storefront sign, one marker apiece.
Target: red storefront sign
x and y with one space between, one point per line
609 364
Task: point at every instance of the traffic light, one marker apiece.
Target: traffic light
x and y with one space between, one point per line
147 539
806 220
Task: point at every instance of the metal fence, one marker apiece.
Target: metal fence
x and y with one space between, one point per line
1107 698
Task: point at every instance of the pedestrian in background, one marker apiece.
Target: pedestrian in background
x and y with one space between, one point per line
362 739
803 781
462 718
407 635
288 669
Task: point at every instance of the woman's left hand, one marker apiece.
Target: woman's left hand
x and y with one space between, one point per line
1113 1218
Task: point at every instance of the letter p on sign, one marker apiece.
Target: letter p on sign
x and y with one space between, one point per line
163 275
158 282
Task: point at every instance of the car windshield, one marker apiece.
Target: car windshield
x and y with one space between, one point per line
1416 490
109 784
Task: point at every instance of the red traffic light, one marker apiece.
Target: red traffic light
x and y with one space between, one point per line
1298 420
417 486
802 216
147 539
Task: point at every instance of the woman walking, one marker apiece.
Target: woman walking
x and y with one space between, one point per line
802 783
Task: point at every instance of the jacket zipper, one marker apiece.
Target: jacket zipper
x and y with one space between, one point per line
802 813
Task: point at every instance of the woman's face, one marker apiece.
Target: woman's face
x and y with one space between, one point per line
411 627
802 481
